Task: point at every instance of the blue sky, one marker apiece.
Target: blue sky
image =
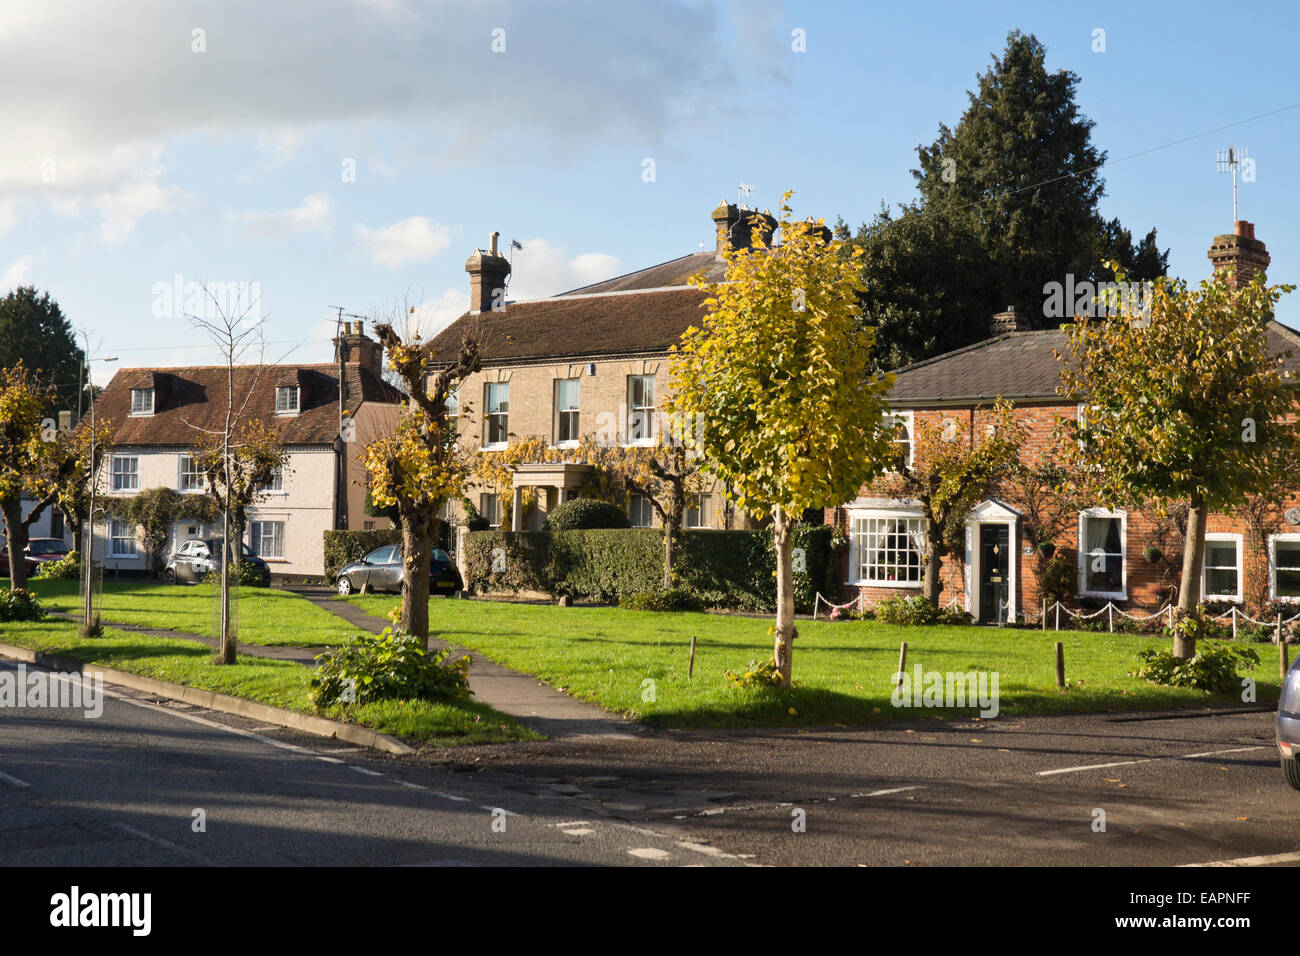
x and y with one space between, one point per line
131 157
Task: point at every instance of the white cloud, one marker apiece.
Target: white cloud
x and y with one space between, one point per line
312 214
17 273
432 317
410 240
542 269
8 215
122 209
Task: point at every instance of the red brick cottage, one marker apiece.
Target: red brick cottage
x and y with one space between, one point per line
998 567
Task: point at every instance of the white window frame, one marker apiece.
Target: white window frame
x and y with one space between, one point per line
908 418
1220 536
647 437
276 485
184 457
114 538
632 515
133 474
257 535
908 515
1122 594
575 410
1287 537
452 402
489 415
286 407
693 504
142 412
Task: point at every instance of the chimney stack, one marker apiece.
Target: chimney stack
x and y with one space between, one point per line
1239 255
1009 321
488 271
737 228
354 347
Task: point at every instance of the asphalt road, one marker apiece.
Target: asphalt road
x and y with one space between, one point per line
122 789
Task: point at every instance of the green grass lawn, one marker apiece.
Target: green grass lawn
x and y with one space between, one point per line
281 683
266 616
844 669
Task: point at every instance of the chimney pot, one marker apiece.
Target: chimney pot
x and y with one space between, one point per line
1239 255
492 247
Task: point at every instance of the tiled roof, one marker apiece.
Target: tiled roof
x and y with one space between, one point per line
187 399
577 325
1018 366
674 272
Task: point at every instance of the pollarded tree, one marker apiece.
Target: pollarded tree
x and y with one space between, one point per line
421 464
777 383
237 473
28 449
1185 404
950 473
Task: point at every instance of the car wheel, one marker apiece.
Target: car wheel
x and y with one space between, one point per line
1291 770
345 586
169 576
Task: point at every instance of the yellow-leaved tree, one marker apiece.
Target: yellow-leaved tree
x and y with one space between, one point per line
777 388
1186 402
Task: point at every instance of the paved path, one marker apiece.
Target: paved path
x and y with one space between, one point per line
520 695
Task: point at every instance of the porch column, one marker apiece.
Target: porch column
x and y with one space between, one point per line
517 510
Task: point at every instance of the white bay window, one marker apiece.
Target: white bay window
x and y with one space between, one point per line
886 548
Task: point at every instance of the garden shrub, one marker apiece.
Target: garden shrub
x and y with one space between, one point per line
1059 579
67 568
581 514
508 561
242 574
393 665
673 599
1213 667
912 611
759 674
19 604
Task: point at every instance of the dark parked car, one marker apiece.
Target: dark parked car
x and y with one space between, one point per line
38 551
381 570
1288 725
194 559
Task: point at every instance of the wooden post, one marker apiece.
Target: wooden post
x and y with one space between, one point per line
1044 617
1058 615
1278 632
690 669
1234 623
1171 617
1110 617
902 663
1282 656
1060 664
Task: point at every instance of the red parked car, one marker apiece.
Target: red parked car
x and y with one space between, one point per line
39 550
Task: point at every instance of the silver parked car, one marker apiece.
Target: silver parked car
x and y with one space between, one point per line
1288 725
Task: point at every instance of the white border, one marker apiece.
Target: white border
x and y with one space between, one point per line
1121 595
853 514
1236 539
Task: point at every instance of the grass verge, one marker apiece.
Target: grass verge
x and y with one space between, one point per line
280 683
844 670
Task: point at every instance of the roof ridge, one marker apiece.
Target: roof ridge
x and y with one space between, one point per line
625 275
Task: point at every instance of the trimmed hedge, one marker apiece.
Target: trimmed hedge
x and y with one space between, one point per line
724 569
581 514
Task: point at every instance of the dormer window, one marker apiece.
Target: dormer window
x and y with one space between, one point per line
286 400
142 401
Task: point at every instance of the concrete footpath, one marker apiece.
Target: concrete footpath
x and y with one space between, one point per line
522 696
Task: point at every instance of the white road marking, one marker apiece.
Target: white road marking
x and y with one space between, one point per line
579 831
1253 860
571 823
881 793
14 781
490 809
1129 763
368 773
707 850
649 853
159 841
450 796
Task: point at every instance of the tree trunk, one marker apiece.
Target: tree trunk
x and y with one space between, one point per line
1189 592
670 545
225 650
16 540
783 652
930 579
416 542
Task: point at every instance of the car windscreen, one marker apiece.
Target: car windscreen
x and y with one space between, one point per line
46 547
380 556
439 556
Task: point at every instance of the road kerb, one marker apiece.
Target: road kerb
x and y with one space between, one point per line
255 710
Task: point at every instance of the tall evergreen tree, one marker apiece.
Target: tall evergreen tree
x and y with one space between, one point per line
34 330
1008 202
